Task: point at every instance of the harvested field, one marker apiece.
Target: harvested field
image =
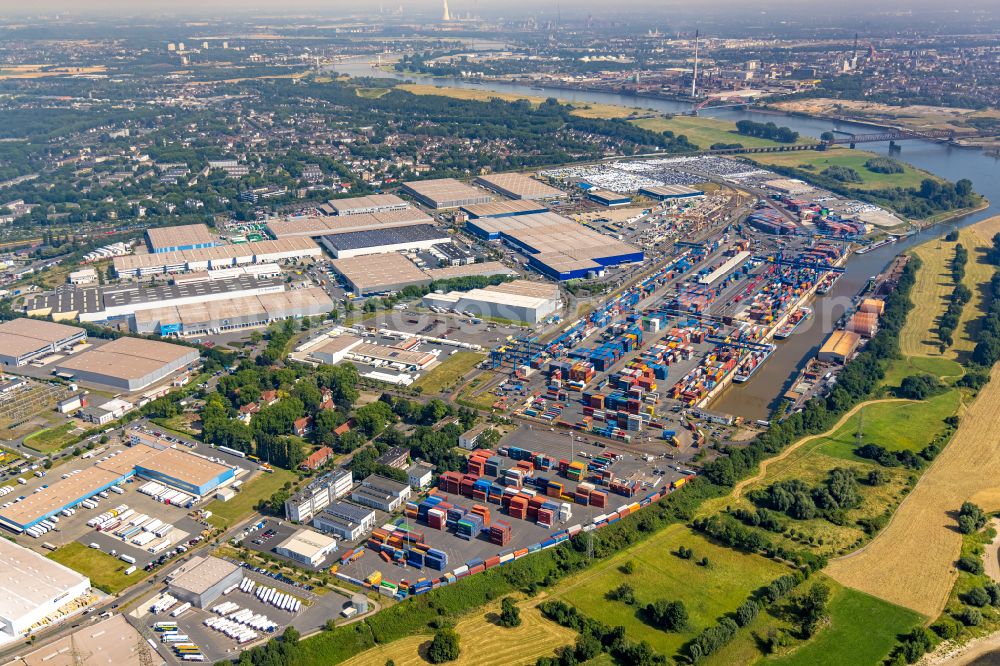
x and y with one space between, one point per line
911 562
483 642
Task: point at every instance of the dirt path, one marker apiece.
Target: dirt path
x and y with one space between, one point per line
991 558
912 561
962 655
738 488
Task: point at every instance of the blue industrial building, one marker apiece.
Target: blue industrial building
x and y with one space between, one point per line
607 198
665 192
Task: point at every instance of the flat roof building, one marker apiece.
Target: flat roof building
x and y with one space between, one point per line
32 588
504 208
444 193
112 642
347 521
23 340
608 198
315 227
179 238
202 580
335 349
381 493
518 186
307 547
223 256
556 246
128 364
232 314
380 273
665 192
373 203
382 241
185 471
519 300
319 494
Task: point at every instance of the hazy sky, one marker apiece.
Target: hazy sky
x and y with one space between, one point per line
328 7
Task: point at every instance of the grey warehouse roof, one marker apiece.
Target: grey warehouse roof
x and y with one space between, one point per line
354 240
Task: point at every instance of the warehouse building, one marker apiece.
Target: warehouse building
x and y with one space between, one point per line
382 241
486 269
232 314
374 203
175 467
556 246
105 303
336 349
444 193
314 227
307 547
519 300
518 186
258 271
379 274
128 364
839 347
504 208
347 521
666 192
608 198
202 580
112 641
23 340
318 495
381 493
180 238
223 256
32 588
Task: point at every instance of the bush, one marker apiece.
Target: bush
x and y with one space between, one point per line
747 612
970 518
623 593
970 617
843 174
977 597
919 387
945 628
889 165
444 646
972 564
510 614
668 615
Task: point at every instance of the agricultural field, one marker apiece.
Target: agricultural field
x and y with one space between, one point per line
708 592
933 288
703 131
225 514
452 369
814 161
482 640
602 111
861 629
106 573
911 562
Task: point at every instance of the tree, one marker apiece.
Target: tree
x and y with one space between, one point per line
970 518
444 646
624 593
510 614
668 615
747 612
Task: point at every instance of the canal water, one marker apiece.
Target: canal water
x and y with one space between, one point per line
755 398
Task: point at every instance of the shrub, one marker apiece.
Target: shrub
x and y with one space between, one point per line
971 564
444 646
510 614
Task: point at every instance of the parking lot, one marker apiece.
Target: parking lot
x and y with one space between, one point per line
449 326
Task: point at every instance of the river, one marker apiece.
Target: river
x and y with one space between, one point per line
755 398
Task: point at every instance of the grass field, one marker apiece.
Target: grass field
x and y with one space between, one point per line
862 630
703 131
371 93
813 161
51 440
584 110
707 592
106 573
482 641
933 288
910 563
449 372
937 366
225 514
896 426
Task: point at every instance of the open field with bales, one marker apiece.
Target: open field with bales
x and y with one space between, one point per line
707 591
815 161
911 562
482 640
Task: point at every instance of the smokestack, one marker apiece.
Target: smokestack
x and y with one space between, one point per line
694 79
446 16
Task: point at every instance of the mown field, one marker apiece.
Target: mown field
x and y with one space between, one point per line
813 161
584 110
106 573
703 131
707 592
910 563
937 366
933 288
482 640
449 372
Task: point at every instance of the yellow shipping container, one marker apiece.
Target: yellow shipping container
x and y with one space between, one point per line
375 578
